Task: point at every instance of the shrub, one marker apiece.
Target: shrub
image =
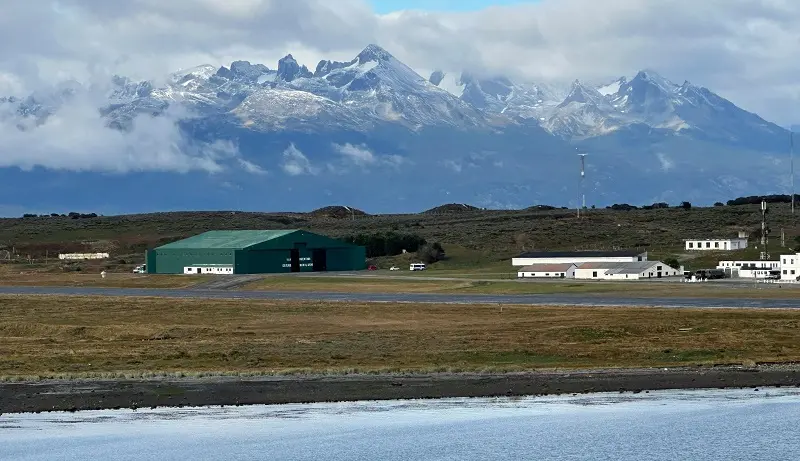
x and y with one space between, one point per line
430 253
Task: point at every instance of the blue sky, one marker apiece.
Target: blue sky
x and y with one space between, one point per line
387 6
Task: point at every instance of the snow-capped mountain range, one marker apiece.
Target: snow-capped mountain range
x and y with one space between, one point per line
373 133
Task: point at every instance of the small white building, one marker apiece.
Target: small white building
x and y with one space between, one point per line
82 256
790 266
577 257
558 271
750 269
710 244
215 269
634 270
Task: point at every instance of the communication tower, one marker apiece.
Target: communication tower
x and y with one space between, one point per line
582 194
764 231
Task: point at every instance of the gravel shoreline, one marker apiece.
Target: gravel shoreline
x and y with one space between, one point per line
42 396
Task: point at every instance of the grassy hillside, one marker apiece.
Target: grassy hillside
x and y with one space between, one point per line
472 237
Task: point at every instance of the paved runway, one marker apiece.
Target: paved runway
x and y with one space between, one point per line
560 299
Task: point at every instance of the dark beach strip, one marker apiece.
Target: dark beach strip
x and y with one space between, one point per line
76 395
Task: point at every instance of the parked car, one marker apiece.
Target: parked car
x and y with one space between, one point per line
417 267
372 268
394 268
141 269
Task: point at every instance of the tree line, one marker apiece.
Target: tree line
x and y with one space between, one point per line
72 215
393 243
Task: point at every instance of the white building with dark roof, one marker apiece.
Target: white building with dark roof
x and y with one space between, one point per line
632 270
577 257
559 271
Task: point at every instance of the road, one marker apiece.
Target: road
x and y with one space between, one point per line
547 300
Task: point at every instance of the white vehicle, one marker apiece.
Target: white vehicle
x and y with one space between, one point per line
394 268
417 267
142 269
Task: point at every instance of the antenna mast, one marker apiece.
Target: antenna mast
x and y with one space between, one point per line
582 198
791 164
764 231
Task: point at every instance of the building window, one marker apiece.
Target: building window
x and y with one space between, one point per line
785 272
716 244
658 268
708 244
691 245
792 272
594 274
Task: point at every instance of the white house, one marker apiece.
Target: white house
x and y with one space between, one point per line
750 269
577 257
563 270
634 270
790 266
221 269
709 244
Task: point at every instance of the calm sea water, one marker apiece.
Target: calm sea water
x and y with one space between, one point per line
688 425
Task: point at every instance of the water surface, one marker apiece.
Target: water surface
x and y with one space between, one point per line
667 425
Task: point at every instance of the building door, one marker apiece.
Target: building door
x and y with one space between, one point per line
295 260
198 270
319 260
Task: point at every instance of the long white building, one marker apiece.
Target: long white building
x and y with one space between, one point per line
632 270
715 244
750 269
577 257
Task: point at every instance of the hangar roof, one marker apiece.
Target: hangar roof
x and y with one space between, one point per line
227 239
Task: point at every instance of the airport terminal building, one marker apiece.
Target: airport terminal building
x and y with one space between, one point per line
255 252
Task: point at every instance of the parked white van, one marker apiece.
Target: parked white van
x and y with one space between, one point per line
417 267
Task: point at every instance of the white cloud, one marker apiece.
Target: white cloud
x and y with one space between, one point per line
453 165
295 163
360 155
666 163
76 137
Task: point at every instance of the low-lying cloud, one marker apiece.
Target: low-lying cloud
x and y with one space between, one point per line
295 163
75 136
361 155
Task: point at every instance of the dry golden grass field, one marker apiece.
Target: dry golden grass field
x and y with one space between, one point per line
75 337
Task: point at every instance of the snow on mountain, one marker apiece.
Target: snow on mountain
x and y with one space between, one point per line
584 112
613 87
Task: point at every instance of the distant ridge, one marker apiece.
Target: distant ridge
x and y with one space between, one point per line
452 208
337 212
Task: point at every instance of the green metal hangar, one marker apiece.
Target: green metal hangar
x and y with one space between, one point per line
255 252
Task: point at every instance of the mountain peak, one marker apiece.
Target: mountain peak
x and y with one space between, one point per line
373 53
582 94
436 77
651 76
289 69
